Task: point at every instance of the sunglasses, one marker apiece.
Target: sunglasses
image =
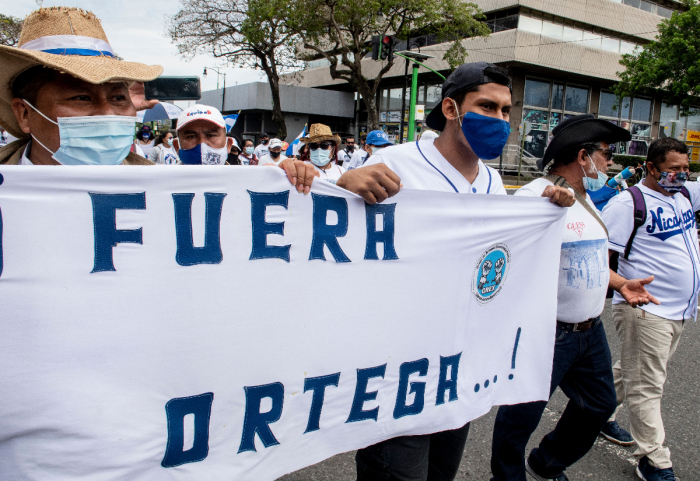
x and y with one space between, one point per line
323 145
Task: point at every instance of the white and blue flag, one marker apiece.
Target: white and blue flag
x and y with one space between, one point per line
294 147
230 120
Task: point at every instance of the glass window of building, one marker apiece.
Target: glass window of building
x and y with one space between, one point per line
591 40
632 3
528 24
610 44
668 113
395 99
433 96
572 34
576 99
537 93
553 30
544 105
627 47
641 110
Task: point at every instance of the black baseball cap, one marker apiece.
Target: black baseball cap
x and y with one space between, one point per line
462 79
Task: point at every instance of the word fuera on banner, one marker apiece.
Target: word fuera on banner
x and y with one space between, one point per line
208 323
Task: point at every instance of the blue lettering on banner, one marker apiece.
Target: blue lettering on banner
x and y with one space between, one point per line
318 386
257 422
671 225
407 368
107 236
362 396
261 229
325 234
176 410
385 236
187 254
445 384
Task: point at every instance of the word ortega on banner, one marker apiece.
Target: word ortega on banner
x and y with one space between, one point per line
107 236
257 422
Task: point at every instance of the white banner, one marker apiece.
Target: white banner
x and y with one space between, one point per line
212 323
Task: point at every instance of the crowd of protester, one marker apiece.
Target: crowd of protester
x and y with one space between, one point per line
44 91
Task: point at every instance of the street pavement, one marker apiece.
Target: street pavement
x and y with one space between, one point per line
606 461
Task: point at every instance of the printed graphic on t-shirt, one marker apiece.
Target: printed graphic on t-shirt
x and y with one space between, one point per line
584 264
576 227
169 159
666 226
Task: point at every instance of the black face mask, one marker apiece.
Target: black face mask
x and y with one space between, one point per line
351 148
232 158
274 155
264 142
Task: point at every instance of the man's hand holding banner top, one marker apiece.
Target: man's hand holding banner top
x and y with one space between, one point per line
139 338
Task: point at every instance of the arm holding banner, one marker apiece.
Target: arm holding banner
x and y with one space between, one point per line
374 183
299 174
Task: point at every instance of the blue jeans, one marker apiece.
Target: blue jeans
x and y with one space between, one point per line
431 457
583 370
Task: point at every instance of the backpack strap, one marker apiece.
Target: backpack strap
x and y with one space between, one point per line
639 207
561 182
686 193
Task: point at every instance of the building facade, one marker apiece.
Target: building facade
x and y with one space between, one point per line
300 106
563 56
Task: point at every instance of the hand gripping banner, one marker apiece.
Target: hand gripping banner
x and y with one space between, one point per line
212 323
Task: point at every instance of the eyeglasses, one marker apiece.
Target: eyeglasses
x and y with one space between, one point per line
323 145
607 153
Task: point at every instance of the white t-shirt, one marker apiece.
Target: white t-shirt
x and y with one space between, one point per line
666 246
146 148
421 166
331 174
25 159
344 157
167 156
357 159
584 274
267 159
261 151
139 151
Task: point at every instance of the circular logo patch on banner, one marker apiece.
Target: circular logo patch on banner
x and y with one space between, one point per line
490 272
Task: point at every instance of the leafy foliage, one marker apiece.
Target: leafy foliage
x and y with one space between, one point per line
245 33
669 63
10 28
341 31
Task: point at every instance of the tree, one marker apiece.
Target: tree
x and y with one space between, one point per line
341 32
669 63
246 33
10 28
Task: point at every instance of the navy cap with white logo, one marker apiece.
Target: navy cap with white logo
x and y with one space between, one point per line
462 79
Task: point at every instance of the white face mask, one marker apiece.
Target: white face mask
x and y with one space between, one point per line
92 140
202 154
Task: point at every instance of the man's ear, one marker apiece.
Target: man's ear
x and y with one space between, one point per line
229 144
582 157
448 109
21 110
176 143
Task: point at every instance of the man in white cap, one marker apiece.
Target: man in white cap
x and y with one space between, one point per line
275 156
65 95
201 133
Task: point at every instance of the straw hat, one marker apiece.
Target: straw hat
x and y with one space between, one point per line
319 133
71 41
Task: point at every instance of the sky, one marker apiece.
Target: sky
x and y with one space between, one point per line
136 32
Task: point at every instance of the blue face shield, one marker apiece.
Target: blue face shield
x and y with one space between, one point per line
486 135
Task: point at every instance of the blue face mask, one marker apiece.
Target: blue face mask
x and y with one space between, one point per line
202 154
249 150
92 140
594 184
486 135
320 157
145 136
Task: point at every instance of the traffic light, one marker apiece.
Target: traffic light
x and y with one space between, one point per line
375 47
386 51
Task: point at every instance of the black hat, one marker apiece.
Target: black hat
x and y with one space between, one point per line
465 77
578 130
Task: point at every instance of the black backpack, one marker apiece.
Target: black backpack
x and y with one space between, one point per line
640 218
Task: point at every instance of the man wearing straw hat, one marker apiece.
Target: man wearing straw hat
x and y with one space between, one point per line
65 95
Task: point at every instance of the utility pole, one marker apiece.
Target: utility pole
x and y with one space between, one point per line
218 73
415 57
